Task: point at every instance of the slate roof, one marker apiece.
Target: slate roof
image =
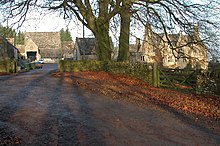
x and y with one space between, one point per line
86 45
133 48
173 38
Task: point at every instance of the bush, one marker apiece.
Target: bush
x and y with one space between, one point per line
32 65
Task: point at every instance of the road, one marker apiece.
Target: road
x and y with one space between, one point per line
39 109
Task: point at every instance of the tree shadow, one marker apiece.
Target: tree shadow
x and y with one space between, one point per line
64 124
187 119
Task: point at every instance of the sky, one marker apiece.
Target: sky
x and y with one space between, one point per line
49 23
53 23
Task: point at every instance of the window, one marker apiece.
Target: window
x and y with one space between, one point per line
142 58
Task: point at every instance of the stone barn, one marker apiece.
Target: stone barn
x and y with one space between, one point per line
45 45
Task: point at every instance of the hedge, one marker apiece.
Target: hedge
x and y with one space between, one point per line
141 71
8 66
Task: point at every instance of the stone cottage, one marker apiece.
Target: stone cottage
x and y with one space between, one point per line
173 50
85 49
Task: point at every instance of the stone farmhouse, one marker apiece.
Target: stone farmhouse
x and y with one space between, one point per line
171 51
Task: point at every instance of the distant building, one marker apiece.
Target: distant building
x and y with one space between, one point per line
45 45
67 49
182 50
85 49
134 51
7 50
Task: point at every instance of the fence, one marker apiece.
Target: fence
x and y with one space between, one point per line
201 81
170 77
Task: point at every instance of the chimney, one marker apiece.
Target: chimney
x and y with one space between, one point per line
196 32
196 29
148 29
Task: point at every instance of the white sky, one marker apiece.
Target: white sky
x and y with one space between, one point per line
54 23
50 23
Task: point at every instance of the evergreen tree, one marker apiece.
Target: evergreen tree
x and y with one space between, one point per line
65 35
20 38
68 35
62 35
8 32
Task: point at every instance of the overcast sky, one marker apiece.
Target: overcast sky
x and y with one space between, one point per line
53 23
49 23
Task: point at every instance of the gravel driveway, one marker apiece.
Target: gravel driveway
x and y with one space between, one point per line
38 109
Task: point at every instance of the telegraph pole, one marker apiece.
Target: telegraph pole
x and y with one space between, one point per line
83 41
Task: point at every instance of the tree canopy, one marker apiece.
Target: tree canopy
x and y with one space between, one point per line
165 16
8 32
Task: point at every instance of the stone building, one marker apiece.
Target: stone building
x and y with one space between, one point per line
45 45
173 50
7 49
67 49
9 55
85 49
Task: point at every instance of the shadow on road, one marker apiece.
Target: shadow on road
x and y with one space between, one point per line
44 112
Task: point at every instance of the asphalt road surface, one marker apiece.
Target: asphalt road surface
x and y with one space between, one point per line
39 109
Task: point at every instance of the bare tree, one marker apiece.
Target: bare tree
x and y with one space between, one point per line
95 15
171 16
163 15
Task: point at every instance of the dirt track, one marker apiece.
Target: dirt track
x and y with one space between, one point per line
38 109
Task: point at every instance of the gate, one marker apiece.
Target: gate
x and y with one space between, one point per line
175 78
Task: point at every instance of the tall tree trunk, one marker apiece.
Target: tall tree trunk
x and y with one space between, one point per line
103 41
124 33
